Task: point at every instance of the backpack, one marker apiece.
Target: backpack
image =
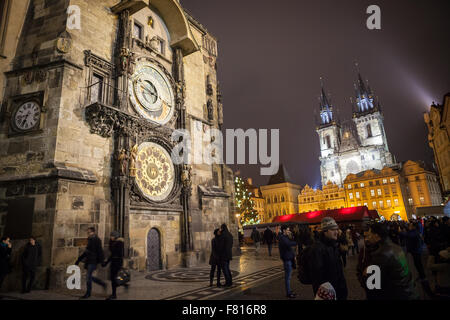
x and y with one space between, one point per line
304 274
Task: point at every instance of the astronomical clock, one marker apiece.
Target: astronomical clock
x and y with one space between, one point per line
151 93
155 173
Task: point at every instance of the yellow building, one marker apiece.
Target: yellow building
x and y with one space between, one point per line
422 187
381 190
330 197
438 123
258 200
280 195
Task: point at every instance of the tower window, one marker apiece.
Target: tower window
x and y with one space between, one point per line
137 31
328 142
369 131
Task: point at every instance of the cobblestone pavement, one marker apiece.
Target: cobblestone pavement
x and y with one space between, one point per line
256 277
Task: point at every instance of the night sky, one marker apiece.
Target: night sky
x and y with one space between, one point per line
273 53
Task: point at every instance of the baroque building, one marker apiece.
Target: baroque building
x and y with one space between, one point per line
438 123
330 197
92 93
280 195
352 146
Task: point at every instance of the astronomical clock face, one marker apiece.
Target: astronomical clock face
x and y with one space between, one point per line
155 174
151 94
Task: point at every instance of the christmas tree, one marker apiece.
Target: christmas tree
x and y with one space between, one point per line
244 204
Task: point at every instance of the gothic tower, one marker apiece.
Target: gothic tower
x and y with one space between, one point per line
328 129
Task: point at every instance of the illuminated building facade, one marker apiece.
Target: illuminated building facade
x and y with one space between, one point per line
438 123
280 195
352 146
330 197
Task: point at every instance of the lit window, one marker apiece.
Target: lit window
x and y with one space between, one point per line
362 184
374 204
372 193
410 201
349 186
388 203
392 180
381 204
365 204
350 195
357 195
379 192
396 202
384 181
422 200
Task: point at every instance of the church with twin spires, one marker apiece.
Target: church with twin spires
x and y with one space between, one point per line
356 145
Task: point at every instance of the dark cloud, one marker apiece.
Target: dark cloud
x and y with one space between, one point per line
272 53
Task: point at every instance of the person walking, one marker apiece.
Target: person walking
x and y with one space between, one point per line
116 249
343 246
256 237
92 256
395 279
355 238
226 254
287 255
5 256
214 259
268 239
31 259
348 236
324 261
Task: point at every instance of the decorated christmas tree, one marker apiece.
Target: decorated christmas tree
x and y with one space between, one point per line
244 204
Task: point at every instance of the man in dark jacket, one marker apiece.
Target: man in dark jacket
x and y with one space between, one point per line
116 249
92 256
226 253
5 256
325 262
31 259
396 278
268 239
287 254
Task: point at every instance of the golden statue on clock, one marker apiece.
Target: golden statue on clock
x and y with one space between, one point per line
155 172
151 93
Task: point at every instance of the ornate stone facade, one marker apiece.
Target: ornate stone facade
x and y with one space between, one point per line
105 100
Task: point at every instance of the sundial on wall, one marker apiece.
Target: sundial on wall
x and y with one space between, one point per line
155 173
151 93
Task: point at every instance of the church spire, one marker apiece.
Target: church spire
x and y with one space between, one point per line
364 99
326 109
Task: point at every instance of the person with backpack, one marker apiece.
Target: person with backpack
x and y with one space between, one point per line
92 256
321 263
287 255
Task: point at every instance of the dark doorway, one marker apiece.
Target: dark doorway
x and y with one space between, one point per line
19 220
154 250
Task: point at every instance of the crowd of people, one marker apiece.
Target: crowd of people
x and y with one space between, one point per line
321 256
92 256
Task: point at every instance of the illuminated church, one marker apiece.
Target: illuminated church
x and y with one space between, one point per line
355 145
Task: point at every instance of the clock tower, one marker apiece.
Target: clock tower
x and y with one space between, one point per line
86 132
